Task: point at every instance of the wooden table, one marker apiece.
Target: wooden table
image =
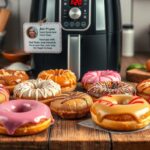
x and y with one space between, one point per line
68 135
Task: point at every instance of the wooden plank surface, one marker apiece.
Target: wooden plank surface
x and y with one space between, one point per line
71 136
32 142
68 135
135 141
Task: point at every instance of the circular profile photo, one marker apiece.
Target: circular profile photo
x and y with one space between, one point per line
32 32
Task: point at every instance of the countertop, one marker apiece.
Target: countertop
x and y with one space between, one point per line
68 135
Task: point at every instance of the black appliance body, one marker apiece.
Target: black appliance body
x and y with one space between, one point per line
91 34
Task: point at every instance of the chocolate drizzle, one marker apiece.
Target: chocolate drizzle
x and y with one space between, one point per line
69 96
106 88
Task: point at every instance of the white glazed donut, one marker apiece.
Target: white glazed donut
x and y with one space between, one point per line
37 89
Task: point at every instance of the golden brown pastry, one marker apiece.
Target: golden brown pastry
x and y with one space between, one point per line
10 78
71 105
143 89
65 78
147 64
4 95
121 112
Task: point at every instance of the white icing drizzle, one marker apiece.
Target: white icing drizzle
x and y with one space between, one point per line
37 89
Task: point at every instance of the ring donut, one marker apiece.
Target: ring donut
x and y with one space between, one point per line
143 89
121 112
98 90
65 78
41 90
24 117
71 105
10 78
93 77
4 95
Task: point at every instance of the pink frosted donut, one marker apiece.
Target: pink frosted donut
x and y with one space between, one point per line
24 117
92 77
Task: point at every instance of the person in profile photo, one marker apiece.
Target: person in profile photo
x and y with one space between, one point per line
32 32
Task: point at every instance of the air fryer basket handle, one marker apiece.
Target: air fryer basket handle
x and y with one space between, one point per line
74 52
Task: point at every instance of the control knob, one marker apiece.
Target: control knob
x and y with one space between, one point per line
75 13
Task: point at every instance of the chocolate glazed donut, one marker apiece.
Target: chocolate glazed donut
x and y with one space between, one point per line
71 105
98 90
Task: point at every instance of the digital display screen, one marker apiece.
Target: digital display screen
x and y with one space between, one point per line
76 2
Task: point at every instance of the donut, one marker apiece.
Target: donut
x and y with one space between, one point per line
121 112
98 90
65 78
10 78
38 89
4 95
71 105
92 77
24 117
143 89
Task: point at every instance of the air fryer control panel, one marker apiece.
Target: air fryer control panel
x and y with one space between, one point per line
75 14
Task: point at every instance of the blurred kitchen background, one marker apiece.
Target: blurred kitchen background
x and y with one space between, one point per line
134 12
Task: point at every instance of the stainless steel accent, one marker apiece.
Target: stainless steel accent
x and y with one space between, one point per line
100 15
90 7
75 13
50 10
74 54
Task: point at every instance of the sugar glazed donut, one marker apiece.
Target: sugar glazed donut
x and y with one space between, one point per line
4 95
121 112
92 77
24 117
10 78
65 78
143 89
71 105
98 90
38 89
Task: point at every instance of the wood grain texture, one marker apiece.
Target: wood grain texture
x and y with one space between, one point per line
70 136
136 141
32 142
